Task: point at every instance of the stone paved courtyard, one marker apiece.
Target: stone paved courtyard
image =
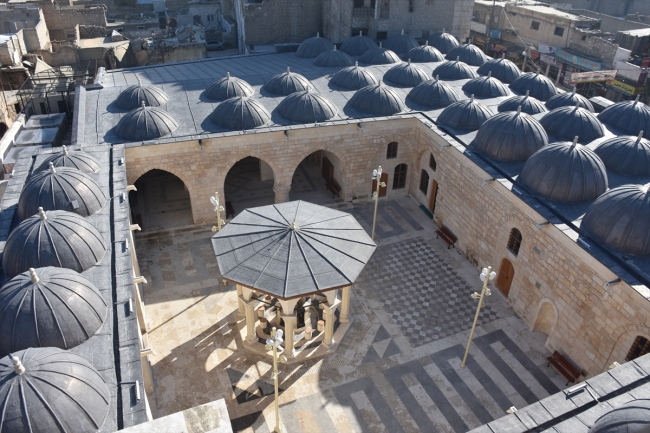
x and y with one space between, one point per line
398 368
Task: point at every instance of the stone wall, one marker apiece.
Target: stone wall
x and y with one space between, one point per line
616 8
62 19
593 47
276 21
337 19
90 32
609 23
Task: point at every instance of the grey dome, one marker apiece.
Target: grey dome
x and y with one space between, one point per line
501 69
467 115
228 87
629 117
333 59
528 104
620 218
467 53
133 97
306 107
424 54
240 113
61 189
485 87
55 238
57 391
357 45
569 99
79 160
455 70
405 75
631 417
354 77
313 47
49 307
286 83
568 122
511 136
379 56
434 94
565 171
626 155
443 42
537 84
400 43
145 123
377 100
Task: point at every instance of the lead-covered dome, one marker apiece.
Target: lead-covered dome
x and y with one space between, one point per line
568 122
511 136
455 70
528 104
467 53
485 87
145 123
631 417
405 75
379 56
306 107
333 59
354 77
228 87
433 94
537 84
75 159
51 390
49 307
443 42
313 47
501 69
629 117
133 97
569 99
467 115
240 113
620 219
424 54
400 43
626 155
357 45
565 171
61 189
377 100
54 238
286 83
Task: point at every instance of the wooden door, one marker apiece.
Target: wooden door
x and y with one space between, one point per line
382 189
506 274
432 197
327 170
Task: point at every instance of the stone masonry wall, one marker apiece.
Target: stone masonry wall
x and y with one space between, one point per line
60 19
276 21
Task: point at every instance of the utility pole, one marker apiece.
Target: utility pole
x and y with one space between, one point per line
489 27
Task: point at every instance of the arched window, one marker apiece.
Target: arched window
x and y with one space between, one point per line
424 182
432 162
514 241
399 178
391 150
640 347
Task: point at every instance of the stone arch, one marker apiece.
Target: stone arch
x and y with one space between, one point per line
236 158
3 129
624 338
546 317
345 169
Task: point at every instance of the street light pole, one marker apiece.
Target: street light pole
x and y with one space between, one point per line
376 176
218 209
274 342
486 275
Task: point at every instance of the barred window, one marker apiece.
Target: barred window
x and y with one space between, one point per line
514 241
399 178
432 162
640 347
424 182
391 150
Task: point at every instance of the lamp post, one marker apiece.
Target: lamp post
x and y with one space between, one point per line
218 209
376 176
486 275
273 343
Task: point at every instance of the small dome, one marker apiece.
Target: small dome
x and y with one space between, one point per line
511 136
228 87
443 42
467 53
528 104
568 122
565 171
133 97
485 87
569 99
49 307
312 47
620 218
240 113
536 84
55 238
286 83
354 78
501 69
424 54
405 75
333 59
377 100
626 155
631 417
379 56
400 43
61 189
629 117
455 70
467 115
145 123
51 390
76 159
306 107
357 45
433 94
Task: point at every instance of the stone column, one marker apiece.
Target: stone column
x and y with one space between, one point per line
289 322
250 321
345 305
329 327
281 193
240 302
